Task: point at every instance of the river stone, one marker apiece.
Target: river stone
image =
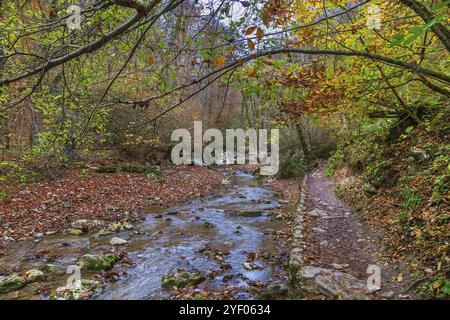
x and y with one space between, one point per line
75 232
84 290
97 262
276 291
34 275
117 241
181 279
251 266
86 225
208 224
49 267
250 213
102 233
11 282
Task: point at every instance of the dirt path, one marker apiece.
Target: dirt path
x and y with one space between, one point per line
338 240
337 248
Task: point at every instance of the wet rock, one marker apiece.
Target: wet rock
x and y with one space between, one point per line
181 279
84 290
11 282
86 225
49 267
388 295
34 275
122 225
251 266
208 253
75 232
250 213
97 262
102 233
276 291
116 241
208 224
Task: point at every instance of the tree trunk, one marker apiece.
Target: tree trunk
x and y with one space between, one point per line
303 143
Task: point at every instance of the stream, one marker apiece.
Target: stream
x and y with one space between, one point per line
175 238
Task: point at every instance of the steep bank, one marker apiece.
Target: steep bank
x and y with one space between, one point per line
403 191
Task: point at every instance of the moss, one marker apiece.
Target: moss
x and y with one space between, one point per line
11 282
181 279
86 289
97 262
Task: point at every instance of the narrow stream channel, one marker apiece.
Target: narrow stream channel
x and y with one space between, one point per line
176 239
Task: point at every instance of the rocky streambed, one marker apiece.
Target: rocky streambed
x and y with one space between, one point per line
225 245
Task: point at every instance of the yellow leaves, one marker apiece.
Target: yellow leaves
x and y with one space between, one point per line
219 62
399 277
251 44
150 59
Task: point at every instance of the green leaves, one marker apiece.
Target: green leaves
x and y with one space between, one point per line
441 5
416 32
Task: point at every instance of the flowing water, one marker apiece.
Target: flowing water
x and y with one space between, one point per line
171 239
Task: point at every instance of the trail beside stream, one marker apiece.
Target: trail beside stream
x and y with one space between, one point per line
336 256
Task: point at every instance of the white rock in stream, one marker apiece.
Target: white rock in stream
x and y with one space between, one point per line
117 241
251 266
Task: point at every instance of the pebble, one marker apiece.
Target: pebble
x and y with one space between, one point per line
388 294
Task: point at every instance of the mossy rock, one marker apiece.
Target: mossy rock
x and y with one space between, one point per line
182 279
92 262
208 224
11 282
34 275
49 268
85 290
250 213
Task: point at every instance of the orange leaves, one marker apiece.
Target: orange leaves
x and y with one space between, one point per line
259 34
250 30
251 44
219 62
150 59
